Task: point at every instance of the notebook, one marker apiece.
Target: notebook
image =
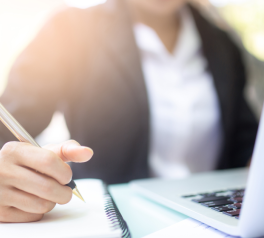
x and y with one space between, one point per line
98 217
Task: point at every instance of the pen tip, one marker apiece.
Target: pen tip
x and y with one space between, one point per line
76 192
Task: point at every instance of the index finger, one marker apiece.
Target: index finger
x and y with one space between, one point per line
72 151
42 160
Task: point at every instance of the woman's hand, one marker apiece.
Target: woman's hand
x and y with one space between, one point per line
32 179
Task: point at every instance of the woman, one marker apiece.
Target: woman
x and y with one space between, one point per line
150 85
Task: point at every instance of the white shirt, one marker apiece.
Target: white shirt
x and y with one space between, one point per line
184 110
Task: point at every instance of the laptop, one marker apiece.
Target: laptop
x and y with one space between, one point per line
228 200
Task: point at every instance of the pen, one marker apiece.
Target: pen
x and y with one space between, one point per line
22 135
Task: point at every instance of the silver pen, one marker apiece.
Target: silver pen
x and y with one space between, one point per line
22 135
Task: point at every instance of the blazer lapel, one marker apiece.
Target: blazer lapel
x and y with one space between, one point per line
116 26
225 71
219 62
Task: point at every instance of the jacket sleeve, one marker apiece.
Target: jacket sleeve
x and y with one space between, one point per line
36 84
245 124
245 134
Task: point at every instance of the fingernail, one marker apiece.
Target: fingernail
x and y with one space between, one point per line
89 150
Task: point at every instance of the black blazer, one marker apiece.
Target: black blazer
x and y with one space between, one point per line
86 63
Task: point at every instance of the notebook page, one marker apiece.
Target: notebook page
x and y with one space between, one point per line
73 220
189 228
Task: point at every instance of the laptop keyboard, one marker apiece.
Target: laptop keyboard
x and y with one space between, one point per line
228 202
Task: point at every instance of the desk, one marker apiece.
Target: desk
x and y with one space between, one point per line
142 215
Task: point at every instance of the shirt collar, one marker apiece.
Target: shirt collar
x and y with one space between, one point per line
188 43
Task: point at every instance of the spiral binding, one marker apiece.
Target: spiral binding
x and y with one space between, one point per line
113 214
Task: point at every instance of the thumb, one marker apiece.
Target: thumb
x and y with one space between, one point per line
71 151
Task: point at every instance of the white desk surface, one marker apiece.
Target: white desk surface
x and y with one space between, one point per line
142 215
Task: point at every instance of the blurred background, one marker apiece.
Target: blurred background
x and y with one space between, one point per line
21 19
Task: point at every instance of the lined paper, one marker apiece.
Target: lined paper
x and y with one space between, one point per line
73 220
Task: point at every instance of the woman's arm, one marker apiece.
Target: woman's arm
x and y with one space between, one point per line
244 135
38 79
